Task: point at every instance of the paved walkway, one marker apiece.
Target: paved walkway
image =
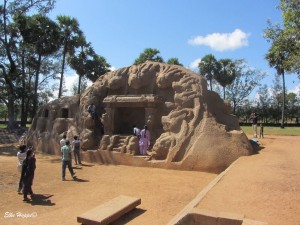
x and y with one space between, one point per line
263 187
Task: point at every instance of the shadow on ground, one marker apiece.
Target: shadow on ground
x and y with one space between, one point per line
126 218
41 199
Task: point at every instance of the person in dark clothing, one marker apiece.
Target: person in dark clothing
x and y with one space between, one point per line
28 168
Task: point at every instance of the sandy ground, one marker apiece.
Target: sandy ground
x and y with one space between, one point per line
163 192
264 187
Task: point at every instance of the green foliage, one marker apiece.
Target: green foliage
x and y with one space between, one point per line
225 73
291 23
246 79
174 61
208 68
150 54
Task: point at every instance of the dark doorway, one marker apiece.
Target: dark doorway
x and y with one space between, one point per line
64 113
125 118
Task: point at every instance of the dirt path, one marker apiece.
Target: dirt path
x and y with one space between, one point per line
163 192
264 187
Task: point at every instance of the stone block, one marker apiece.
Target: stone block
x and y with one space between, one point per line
109 211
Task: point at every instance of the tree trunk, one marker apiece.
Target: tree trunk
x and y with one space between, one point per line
23 97
35 102
283 101
62 71
79 85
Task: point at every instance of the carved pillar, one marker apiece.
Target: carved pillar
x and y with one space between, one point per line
150 121
107 121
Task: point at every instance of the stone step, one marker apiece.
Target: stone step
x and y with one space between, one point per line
109 211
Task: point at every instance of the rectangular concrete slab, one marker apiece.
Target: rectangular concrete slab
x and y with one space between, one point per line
109 211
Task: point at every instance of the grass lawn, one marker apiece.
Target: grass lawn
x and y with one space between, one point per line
289 131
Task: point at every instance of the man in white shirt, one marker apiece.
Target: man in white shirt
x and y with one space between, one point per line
63 141
136 131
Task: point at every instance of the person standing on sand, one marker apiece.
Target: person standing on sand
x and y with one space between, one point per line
66 160
254 119
21 157
261 131
28 168
144 140
62 142
76 150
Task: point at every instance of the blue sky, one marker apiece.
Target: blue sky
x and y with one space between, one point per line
120 30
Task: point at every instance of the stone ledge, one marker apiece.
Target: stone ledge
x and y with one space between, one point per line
109 211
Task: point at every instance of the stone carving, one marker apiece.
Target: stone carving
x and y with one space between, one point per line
191 127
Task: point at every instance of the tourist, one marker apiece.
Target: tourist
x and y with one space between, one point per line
261 131
144 140
254 119
28 168
21 156
76 149
136 131
62 142
66 160
92 111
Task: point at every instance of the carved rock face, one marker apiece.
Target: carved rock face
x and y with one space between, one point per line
190 126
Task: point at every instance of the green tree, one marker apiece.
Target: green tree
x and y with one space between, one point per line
151 54
208 67
292 106
174 61
226 72
291 23
87 63
245 80
70 33
44 35
9 49
264 102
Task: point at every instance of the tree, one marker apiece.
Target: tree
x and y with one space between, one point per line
291 23
292 106
70 32
264 102
283 54
150 54
174 61
225 73
9 49
207 68
44 35
246 79
87 63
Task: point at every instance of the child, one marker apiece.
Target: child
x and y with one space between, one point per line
261 131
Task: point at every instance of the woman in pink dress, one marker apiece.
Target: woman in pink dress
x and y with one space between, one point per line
144 140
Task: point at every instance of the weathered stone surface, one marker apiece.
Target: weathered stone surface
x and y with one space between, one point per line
191 127
110 211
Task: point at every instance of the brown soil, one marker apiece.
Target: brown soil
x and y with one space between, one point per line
163 192
264 187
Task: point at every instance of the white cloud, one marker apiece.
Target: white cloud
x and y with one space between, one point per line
222 41
194 65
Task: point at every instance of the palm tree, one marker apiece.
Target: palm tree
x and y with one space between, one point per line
150 54
207 68
43 34
87 63
70 33
225 73
174 61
